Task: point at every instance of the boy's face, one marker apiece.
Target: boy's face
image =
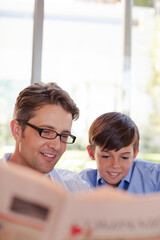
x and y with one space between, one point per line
113 165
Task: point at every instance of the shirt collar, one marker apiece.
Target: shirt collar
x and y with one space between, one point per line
100 180
127 178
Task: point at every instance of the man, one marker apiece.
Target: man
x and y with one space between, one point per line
41 127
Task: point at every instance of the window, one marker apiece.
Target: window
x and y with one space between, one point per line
16 30
82 52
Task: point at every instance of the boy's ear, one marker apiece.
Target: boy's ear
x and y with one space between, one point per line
90 152
135 154
16 130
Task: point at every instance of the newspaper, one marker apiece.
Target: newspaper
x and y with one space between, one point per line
32 207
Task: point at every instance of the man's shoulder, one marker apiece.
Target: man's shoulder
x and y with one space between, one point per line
63 173
5 158
71 180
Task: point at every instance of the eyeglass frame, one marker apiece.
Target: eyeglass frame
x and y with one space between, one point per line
40 130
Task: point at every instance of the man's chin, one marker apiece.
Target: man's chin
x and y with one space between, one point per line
45 170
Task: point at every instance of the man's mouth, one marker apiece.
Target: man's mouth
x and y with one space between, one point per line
49 155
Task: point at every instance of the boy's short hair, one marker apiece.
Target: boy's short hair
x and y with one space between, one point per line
39 94
113 131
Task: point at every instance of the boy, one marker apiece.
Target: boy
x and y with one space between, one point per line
114 144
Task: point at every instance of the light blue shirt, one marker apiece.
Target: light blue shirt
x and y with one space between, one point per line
70 180
143 177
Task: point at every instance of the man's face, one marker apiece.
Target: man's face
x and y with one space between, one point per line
113 165
39 153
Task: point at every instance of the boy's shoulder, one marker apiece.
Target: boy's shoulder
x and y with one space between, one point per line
147 173
88 171
89 175
146 164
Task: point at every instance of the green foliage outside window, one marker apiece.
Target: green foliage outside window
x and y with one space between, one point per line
144 3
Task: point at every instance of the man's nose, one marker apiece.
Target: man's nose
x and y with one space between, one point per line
54 143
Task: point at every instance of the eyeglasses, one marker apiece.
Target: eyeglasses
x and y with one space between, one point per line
51 134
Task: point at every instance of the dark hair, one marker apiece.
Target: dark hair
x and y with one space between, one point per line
113 131
39 94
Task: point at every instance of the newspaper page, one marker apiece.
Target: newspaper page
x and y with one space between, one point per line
30 205
34 208
107 214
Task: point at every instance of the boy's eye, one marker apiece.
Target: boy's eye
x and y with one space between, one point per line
125 158
105 156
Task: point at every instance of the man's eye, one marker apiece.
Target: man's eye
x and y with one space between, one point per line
45 131
65 136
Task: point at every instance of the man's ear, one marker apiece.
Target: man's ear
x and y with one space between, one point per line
90 152
16 130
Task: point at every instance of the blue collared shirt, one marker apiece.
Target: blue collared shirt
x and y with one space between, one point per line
143 177
71 181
